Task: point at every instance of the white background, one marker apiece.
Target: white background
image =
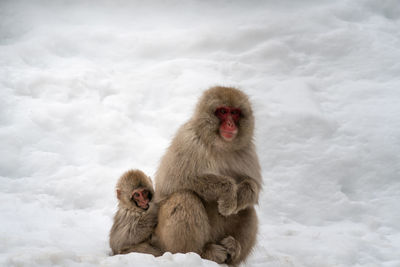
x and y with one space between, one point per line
89 89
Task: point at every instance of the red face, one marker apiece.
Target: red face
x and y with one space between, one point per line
229 118
141 197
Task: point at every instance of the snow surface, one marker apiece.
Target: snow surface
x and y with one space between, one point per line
90 89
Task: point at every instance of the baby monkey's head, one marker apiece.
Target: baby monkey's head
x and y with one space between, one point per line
134 190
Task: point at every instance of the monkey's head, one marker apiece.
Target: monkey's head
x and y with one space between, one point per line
134 190
224 118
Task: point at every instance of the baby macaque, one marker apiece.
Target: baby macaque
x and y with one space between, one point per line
136 217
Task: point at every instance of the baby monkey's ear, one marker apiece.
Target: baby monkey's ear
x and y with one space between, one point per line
118 194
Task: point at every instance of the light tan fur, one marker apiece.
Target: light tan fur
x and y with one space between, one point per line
207 187
133 226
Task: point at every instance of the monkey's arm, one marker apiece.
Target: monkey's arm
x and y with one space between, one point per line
247 193
249 179
212 187
146 224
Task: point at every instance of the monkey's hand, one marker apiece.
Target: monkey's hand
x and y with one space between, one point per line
226 193
247 194
219 188
227 202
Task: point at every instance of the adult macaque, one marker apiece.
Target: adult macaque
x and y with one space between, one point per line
136 217
209 180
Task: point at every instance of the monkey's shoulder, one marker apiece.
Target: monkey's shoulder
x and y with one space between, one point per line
126 215
186 146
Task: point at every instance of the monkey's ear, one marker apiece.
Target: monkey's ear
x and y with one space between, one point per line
119 194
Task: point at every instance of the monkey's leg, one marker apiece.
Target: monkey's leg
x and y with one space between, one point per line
242 236
182 224
143 248
233 249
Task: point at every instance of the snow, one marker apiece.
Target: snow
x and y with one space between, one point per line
89 89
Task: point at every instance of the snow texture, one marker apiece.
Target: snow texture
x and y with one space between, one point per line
89 89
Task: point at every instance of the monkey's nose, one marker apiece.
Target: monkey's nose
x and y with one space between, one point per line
230 124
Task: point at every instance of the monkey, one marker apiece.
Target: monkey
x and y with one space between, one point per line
136 217
209 180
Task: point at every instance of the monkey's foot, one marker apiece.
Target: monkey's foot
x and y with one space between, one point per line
215 253
233 248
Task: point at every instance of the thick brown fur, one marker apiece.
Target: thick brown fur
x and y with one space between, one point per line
133 226
207 187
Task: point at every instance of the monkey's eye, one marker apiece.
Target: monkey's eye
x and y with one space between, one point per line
236 113
221 111
136 194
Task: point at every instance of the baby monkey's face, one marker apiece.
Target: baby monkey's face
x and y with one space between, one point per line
142 197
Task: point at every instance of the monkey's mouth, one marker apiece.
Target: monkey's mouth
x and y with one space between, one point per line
142 205
228 135
147 207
